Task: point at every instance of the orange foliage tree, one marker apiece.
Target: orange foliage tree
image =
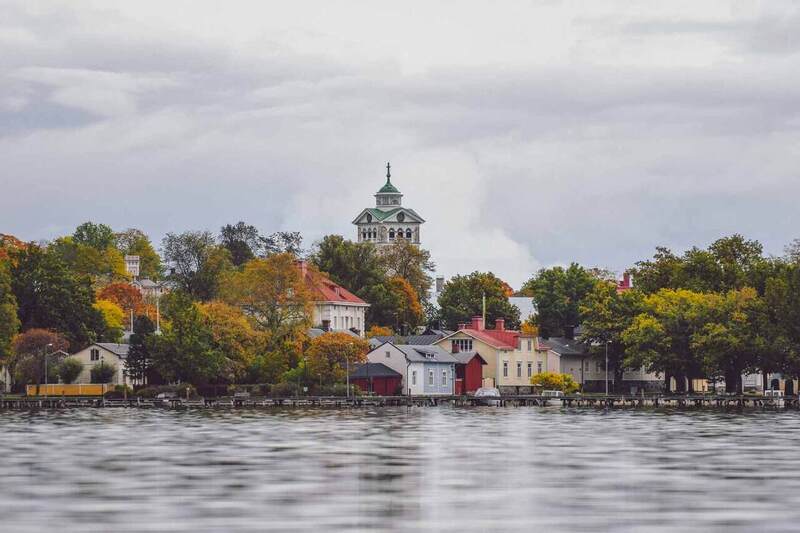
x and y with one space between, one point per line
125 295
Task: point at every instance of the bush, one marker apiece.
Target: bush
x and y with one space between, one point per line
284 390
555 381
120 391
103 373
177 390
69 369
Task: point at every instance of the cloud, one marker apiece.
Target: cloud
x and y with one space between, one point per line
527 135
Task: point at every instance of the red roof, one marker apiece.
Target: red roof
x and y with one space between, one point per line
505 339
324 290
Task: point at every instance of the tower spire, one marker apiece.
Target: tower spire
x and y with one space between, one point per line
388 170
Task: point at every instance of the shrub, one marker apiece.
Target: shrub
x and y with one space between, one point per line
69 369
555 381
119 391
103 373
283 390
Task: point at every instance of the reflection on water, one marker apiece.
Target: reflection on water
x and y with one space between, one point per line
432 469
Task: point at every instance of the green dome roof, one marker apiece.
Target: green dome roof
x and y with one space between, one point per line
389 188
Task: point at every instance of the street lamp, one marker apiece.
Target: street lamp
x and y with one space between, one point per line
606 367
48 345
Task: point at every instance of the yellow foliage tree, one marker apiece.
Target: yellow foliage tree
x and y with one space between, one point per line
113 315
379 331
555 381
329 355
233 335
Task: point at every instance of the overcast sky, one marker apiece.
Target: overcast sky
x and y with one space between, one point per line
526 133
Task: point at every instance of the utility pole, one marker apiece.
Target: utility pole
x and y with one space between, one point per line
606 368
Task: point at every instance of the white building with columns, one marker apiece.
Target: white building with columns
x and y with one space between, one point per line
388 221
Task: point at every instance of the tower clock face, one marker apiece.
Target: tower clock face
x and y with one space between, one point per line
401 217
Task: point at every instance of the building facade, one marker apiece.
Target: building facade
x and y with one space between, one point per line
388 221
424 370
106 353
335 308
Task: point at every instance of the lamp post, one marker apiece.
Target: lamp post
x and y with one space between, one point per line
606 367
48 345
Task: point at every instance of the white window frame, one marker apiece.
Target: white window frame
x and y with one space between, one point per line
519 369
530 369
444 378
431 378
414 377
505 369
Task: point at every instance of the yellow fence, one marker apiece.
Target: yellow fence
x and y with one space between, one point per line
77 389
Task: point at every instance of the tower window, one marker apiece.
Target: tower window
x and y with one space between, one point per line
408 234
391 234
369 218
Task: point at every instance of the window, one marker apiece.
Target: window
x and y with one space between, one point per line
94 354
430 377
408 234
505 369
388 354
444 377
391 233
462 345
530 369
538 367
530 345
414 377
519 369
336 322
599 366
586 366
401 217
369 217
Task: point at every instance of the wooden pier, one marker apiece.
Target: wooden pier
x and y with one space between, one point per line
530 400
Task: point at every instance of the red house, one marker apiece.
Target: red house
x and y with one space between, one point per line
469 372
377 378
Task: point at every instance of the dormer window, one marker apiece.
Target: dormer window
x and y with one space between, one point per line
369 218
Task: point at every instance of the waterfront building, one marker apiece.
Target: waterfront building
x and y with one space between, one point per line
388 221
424 370
335 308
378 379
107 353
469 372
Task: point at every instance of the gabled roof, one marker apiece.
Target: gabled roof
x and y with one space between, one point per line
504 340
120 350
565 346
379 215
374 370
410 339
426 354
465 357
324 290
313 333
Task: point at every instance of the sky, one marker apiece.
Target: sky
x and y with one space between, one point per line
527 134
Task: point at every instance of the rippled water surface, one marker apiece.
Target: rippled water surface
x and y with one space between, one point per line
431 469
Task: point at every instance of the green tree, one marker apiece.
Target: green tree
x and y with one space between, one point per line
241 240
198 263
31 348
558 294
606 314
101 266
410 262
69 369
103 372
52 297
9 323
462 298
135 242
98 236
141 342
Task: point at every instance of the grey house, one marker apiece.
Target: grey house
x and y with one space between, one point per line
425 370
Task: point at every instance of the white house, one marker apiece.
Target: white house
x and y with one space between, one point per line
335 308
425 369
106 353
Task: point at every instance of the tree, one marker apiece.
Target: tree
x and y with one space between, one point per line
103 372
69 369
9 323
282 242
792 251
329 355
241 240
185 351
379 331
558 294
50 296
141 343
198 263
125 295
30 350
233 336
273 294
555 381
605 315
98 236
113 317
462 298
410 262
135 242
101 265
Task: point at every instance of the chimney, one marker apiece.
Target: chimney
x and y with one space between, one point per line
477 323
303 266
439 284
500 324
626 280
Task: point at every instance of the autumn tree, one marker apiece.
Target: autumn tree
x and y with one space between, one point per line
462 298
198 263
407 312
330 355
135 242
233 336
30 350
9 323
101 265
410 262
114 320
125 295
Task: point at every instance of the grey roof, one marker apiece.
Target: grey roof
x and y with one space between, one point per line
146 283
410 339
118 349
374 370
465 357
442 333
426 354
565 346
313 333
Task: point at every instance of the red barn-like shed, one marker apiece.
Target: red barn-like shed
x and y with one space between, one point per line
469 372
377 378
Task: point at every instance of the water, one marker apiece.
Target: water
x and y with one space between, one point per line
393 469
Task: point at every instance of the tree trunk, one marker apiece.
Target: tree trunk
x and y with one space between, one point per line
764 379
618 380
667 382
732 381
680 383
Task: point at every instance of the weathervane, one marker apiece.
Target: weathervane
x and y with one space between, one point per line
388 170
